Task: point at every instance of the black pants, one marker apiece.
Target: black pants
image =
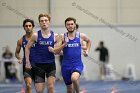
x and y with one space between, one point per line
7 72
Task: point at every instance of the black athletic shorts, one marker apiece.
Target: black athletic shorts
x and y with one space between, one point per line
28 73
42 70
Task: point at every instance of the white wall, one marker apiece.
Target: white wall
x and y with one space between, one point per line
86 11
122 49
13 11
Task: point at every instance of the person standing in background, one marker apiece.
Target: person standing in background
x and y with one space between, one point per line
7 58
104 59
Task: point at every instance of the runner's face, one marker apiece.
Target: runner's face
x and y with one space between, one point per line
28 27
70 25
44 22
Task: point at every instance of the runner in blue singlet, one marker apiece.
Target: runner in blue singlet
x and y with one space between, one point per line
45 61
72 65
28 25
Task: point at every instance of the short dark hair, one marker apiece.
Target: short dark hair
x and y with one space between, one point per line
77 26
101 43
69 19
28 20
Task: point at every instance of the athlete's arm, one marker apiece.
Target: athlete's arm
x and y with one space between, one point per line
86 39
59 45
17 52
57 41
27 49
83 44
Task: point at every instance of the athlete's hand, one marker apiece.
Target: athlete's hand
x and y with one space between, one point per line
20 61
66 39
28 66
51 49
85 53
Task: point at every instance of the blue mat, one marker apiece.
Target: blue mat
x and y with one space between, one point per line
85 86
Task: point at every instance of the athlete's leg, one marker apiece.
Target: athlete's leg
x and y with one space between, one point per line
39 87
39 78
75 80
28 76
50 74
50 84
28 82
66 74
76 72
70 88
